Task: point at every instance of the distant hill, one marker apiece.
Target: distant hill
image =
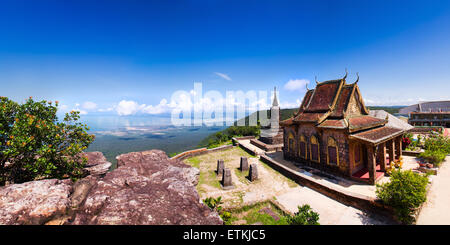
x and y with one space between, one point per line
389 109
284 114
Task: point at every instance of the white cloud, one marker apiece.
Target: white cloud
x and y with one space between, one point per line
128 107
64 108
289 105
88 105
82 112
105 110
296 85
158 109
222 75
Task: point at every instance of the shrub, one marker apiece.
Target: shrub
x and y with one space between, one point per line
437 142
214 204
435 157
219 138
407 140
304 216
35 145
405 192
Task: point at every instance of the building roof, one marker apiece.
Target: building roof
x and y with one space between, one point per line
334 123
393 121
364 122
377 135
329 100
343 100
324 96
431 106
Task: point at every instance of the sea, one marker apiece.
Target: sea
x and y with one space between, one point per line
115 135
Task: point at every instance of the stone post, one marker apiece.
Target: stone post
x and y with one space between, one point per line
371 162
226 179
253 173
220 167
244 164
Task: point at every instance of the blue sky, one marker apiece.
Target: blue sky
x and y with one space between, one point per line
91 55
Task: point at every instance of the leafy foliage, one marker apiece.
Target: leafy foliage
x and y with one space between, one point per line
214 204
435 157
226 135
437 147
35 145
304 216
405 192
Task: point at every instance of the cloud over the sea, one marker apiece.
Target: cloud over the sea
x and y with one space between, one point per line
296 85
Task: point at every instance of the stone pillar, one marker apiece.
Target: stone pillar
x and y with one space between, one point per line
253 173
391 152
398 147
371 164
226 179
382 156
244 164
220 167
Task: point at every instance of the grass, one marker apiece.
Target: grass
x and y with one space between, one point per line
242 176
252 215
206 177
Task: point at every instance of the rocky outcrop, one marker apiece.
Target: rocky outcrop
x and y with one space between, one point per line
97 165
146 188
35 202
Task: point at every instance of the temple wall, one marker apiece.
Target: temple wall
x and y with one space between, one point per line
339 136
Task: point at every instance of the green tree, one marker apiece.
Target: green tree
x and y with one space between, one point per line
34 144
304 216
405 192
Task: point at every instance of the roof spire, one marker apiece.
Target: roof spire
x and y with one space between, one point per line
315 78
346 73
357 80
275 101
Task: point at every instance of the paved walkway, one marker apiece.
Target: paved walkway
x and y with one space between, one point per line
436 209
251 146
330 211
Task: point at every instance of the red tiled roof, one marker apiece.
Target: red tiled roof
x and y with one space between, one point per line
342 102
287 122
330 123
377 135
308 117
364 122
324 95
306 100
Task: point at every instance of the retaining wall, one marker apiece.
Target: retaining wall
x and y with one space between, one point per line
200 151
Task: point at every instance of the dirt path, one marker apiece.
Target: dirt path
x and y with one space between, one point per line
435 210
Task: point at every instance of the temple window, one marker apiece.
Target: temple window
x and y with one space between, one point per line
302 147
314 149
358 155
332 153
290 142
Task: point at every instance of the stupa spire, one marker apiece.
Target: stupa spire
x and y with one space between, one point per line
275 101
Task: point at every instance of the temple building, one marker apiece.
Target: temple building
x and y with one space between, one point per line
334 132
